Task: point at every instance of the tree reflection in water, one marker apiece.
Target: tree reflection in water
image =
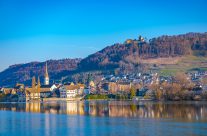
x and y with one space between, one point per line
177 110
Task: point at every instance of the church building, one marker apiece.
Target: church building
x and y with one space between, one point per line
37 90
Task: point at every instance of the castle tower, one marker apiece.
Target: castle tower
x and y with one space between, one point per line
47 82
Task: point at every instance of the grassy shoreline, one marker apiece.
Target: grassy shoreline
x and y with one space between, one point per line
106 97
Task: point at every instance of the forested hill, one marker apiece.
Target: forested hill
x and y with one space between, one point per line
127 56
22 73
134 50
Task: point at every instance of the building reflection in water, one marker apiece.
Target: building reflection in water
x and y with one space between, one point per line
178 110
32 107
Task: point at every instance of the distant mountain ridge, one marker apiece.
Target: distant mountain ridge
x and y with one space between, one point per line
125 56
23 72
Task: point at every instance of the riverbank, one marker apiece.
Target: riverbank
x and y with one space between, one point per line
62 99
144 98
101 97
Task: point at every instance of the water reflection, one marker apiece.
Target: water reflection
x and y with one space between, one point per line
178 110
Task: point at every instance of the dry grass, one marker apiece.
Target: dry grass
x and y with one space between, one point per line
169 60
170 66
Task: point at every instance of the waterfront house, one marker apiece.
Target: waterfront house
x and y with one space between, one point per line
81 89
7 90
54 87
32 94
68 91
21 96
72 90
62 91
45 91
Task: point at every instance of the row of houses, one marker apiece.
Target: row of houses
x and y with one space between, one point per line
110 84
38 92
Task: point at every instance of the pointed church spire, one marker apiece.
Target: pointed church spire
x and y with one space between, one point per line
46 75
38 85
33 83
46 72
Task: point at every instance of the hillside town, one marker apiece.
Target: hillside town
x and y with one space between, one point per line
139 86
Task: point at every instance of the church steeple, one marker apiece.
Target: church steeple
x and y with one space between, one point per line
33 84
46 75
38 85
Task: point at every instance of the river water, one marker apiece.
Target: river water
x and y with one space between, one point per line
104 118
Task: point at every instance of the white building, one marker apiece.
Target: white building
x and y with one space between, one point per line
62 90
70 91
53 87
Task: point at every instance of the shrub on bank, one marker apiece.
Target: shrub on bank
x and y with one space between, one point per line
3 97
121 97
96 96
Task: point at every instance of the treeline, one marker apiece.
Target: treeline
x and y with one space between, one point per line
181 88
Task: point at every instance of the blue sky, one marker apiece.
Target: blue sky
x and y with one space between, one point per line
38 30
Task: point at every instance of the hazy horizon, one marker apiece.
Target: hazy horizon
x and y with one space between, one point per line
42 30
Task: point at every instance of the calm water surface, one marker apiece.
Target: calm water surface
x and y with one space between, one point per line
104 118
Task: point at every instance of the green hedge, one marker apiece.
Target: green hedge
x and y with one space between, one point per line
96 96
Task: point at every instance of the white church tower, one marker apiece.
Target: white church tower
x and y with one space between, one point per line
47 79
